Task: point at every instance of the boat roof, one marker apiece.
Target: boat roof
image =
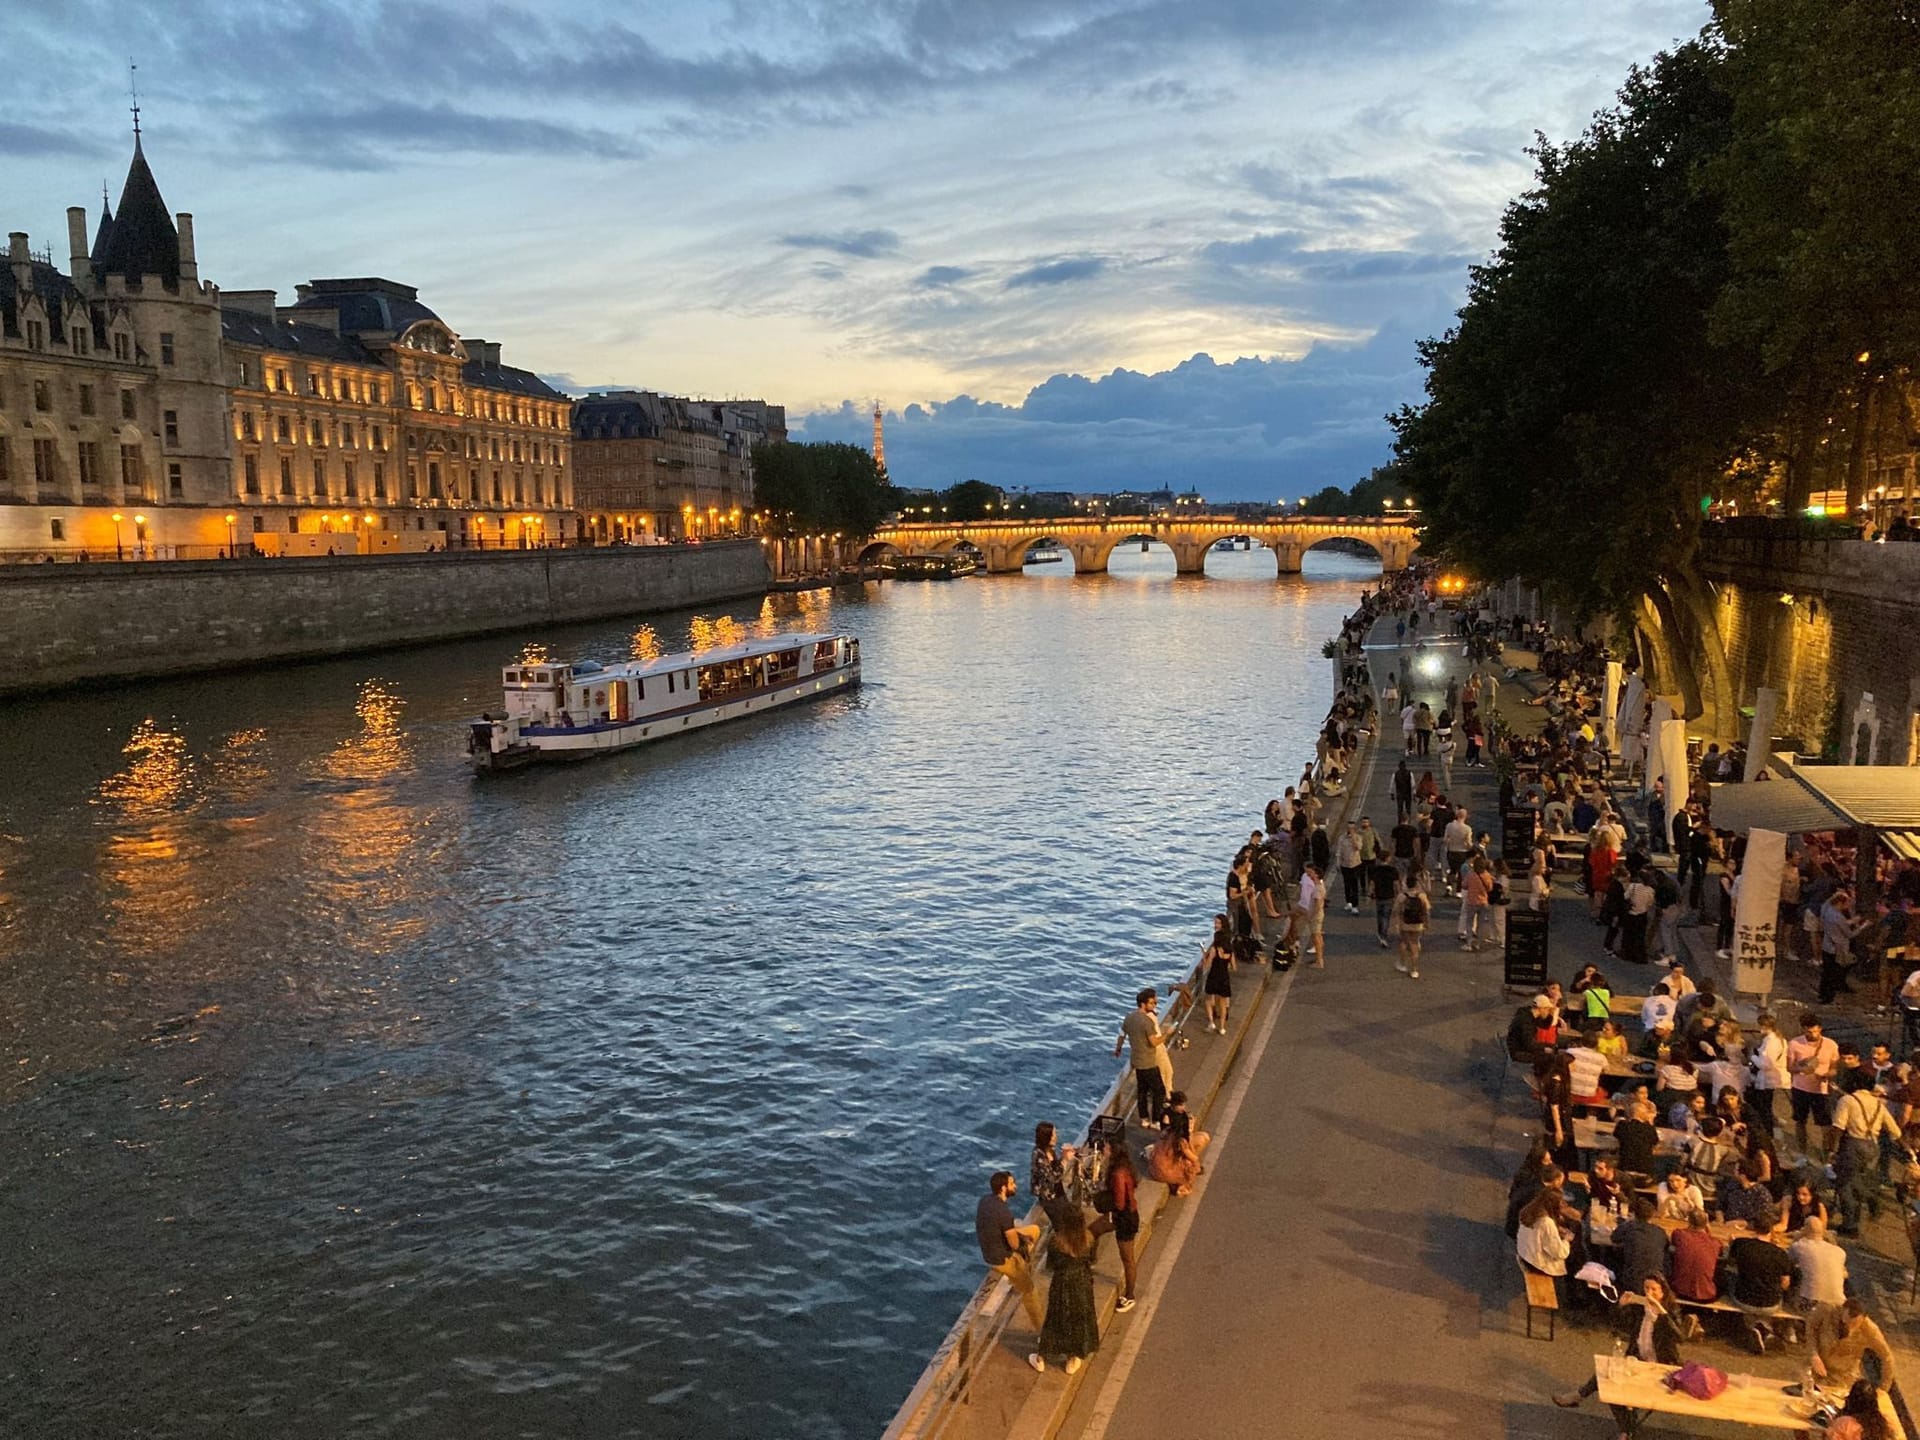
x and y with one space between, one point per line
747 649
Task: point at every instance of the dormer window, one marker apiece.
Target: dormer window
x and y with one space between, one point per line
122 346
36 335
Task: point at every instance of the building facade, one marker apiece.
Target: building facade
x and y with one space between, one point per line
145 414
658 467
358 413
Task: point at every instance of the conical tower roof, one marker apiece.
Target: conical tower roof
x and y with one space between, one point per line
105 230
141 240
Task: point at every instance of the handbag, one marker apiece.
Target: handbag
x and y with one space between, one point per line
1702 1382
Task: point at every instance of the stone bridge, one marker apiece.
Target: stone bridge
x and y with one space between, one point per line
1005 543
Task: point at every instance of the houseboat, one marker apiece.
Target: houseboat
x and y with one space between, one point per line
568 712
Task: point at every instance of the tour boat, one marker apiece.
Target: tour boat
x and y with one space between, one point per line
567 712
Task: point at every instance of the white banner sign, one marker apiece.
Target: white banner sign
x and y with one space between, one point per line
1672 764
1766 705
1657 715
1756 912
1610 707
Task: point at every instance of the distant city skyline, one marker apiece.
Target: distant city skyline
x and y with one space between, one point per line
1071 244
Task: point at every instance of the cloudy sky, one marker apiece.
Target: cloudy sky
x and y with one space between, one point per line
1069 243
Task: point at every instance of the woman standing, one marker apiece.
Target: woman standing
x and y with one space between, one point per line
1047 1177
1768 1061
1123 1220
1218 961
1554 1074
1070 1331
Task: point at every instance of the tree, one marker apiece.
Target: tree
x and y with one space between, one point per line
1824 235
1331 500
970 500
820 488
1578 409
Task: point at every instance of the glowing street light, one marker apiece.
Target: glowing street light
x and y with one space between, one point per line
232 552
119 550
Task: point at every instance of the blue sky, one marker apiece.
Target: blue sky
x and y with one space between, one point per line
1069 243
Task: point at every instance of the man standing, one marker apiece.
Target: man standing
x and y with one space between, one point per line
1352 867
1403 789
1383 881
1837 929
1004 1241
1459 842
1859 1120
1812 1060
1141 1032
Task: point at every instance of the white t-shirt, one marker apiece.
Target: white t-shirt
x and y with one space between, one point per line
1657 1009
1770 1062
1407 716
1459 836
1312 894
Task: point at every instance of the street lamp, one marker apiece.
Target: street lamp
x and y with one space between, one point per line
119 551
232 552
140 534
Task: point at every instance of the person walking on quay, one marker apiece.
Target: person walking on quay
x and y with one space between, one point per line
1218 963
1837 929
1004 1242
1812 1060
1383 882
1120 1217
1069 1331
1458 840
1403 790
1352 866
1475 733
1141 1033
1423 729
1414 910
1310 913
1475 892
1409 719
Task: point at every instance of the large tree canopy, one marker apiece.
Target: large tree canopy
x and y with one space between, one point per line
1719 281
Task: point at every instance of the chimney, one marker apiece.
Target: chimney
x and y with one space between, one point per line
21 261
189 267
251 302
77 245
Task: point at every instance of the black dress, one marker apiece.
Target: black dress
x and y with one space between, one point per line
1219 977
1070 1328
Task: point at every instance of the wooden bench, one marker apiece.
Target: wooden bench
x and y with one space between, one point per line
1540 1296
1786 1319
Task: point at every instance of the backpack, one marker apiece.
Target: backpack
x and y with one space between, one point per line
1413 911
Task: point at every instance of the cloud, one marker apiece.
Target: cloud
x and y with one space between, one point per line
1250 428
860 244
366 137
28 141
936 277
1058 272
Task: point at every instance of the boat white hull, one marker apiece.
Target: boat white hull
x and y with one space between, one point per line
541 744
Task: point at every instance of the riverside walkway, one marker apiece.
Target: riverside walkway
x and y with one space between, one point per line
1341 1270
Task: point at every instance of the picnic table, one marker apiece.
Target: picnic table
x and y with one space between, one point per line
1639 1387
1592 1137
1600 1229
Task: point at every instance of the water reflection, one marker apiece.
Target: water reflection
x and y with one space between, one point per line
157 778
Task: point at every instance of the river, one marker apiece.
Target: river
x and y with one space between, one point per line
343 1093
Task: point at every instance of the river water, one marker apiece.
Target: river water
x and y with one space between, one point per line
341 1093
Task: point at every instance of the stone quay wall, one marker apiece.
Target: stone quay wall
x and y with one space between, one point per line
1827 623
74 624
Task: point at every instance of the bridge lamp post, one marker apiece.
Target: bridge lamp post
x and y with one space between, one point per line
119 550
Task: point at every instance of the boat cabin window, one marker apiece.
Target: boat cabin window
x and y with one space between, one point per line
783 666
823 656
513 677
730 677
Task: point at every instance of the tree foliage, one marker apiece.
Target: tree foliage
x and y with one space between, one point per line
1677 305
820 489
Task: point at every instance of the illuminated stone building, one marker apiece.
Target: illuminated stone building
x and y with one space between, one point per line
357 410
145 413
659 467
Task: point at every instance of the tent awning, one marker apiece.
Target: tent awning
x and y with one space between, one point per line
1798 799
1779 802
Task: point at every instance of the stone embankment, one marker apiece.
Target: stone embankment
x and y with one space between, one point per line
78 624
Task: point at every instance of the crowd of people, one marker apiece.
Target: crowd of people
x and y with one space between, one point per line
1700 1199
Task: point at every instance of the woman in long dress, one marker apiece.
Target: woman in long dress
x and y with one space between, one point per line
1070 1331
